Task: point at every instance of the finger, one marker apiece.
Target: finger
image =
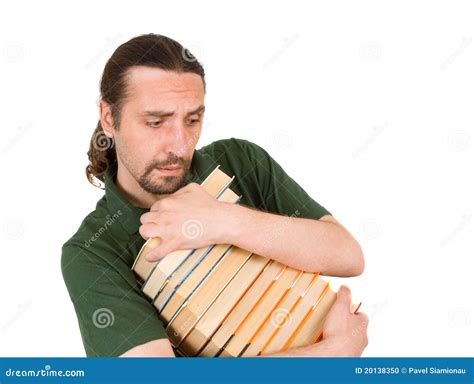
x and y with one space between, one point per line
182 190
190 188
165 248
155 206
161 204
150 230
344 297
148 217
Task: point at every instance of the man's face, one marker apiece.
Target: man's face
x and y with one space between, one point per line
160 125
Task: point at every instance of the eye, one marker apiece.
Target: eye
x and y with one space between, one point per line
194 121
153 124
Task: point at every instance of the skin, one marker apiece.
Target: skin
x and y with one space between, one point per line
145 142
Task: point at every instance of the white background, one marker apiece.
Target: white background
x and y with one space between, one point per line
368 105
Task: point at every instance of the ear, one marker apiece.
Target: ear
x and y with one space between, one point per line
106 120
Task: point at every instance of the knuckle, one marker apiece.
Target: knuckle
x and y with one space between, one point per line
166 217
366 340
155 206
143 231
162 204
363 317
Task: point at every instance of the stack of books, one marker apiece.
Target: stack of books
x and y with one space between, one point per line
224 301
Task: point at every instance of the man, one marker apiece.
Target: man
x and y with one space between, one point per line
143 149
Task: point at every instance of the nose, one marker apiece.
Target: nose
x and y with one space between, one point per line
177 140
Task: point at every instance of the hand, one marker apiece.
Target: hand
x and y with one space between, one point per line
187 219
344 332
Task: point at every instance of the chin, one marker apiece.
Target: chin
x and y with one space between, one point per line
166 185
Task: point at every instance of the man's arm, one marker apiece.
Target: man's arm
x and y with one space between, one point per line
322 245
310 245
344 334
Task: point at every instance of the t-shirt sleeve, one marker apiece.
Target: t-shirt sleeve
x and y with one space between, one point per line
113 314
281 194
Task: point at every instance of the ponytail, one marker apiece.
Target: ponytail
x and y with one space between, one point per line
101 156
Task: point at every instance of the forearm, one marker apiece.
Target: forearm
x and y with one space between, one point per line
306 244
324 348
154 348
319 350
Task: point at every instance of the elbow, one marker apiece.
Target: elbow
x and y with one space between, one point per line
349 262
357 260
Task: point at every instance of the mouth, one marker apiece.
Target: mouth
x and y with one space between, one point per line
170 170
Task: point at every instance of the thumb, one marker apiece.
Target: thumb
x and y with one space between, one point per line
344 297
336 319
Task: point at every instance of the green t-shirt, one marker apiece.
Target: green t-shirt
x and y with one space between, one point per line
96 261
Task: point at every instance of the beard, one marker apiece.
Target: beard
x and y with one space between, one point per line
152 182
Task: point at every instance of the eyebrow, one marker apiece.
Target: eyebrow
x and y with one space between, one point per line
157 113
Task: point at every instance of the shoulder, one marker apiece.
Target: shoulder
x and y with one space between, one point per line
85 249
251 165
236 154
99 265
233 146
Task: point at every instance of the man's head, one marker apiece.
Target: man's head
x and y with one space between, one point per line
151 112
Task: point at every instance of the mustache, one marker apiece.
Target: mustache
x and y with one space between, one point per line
173 161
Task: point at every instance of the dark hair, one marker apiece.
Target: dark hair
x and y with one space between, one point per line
150 50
